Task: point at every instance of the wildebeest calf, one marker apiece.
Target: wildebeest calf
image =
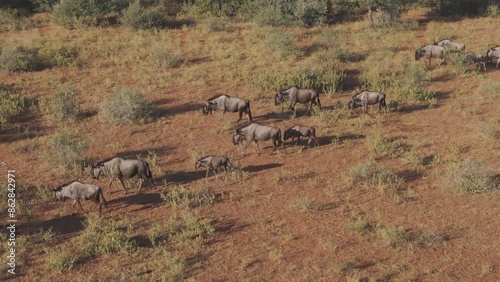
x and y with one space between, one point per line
301 131
79 191
213 162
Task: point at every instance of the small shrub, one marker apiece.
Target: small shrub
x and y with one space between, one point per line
71 13
126 107
20 59
460 61
180 195
60 260
165 57
64 152
395 237
489 131
59 55
382 146
282 44
110 233
472 176
490 87
386 182
305 205
138 17
187 228
11 103
8 19
171 265
64 107
362 226
492 10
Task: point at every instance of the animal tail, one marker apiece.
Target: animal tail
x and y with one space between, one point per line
100 196
249 111
149 174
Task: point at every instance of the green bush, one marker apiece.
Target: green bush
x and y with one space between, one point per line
287 12
458 7
64 152
70 13
8 19
43 5
110 234
137 16
126 107
326 78
384 180
20 59
11 103
59 55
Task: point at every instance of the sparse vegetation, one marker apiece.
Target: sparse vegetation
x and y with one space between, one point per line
137 16
180 195
166 57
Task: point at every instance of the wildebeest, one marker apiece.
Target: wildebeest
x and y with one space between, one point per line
494 54
255 133
226 103
430 51
79 191
213 162
478 60
450 45
297 95
301 131
365 98
122 169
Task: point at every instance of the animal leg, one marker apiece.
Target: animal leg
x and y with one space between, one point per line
123 185
206 174
258 147
80 204
316 139
245 148
109 185
140 185
298 141
309 108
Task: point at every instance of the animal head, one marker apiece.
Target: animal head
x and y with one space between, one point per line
206 109
197 165
419 54
354 103
96 170
237 137
58 193
287 134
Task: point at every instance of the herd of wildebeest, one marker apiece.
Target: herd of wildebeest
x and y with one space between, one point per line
119 168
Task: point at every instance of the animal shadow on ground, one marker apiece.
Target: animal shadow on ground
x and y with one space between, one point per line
175 110
151 199
257 168
87 114
229 226
63 225
341 139
143 153
185 176
414 108
285 115
409 175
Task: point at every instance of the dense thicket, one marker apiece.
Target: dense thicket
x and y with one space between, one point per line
147 14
